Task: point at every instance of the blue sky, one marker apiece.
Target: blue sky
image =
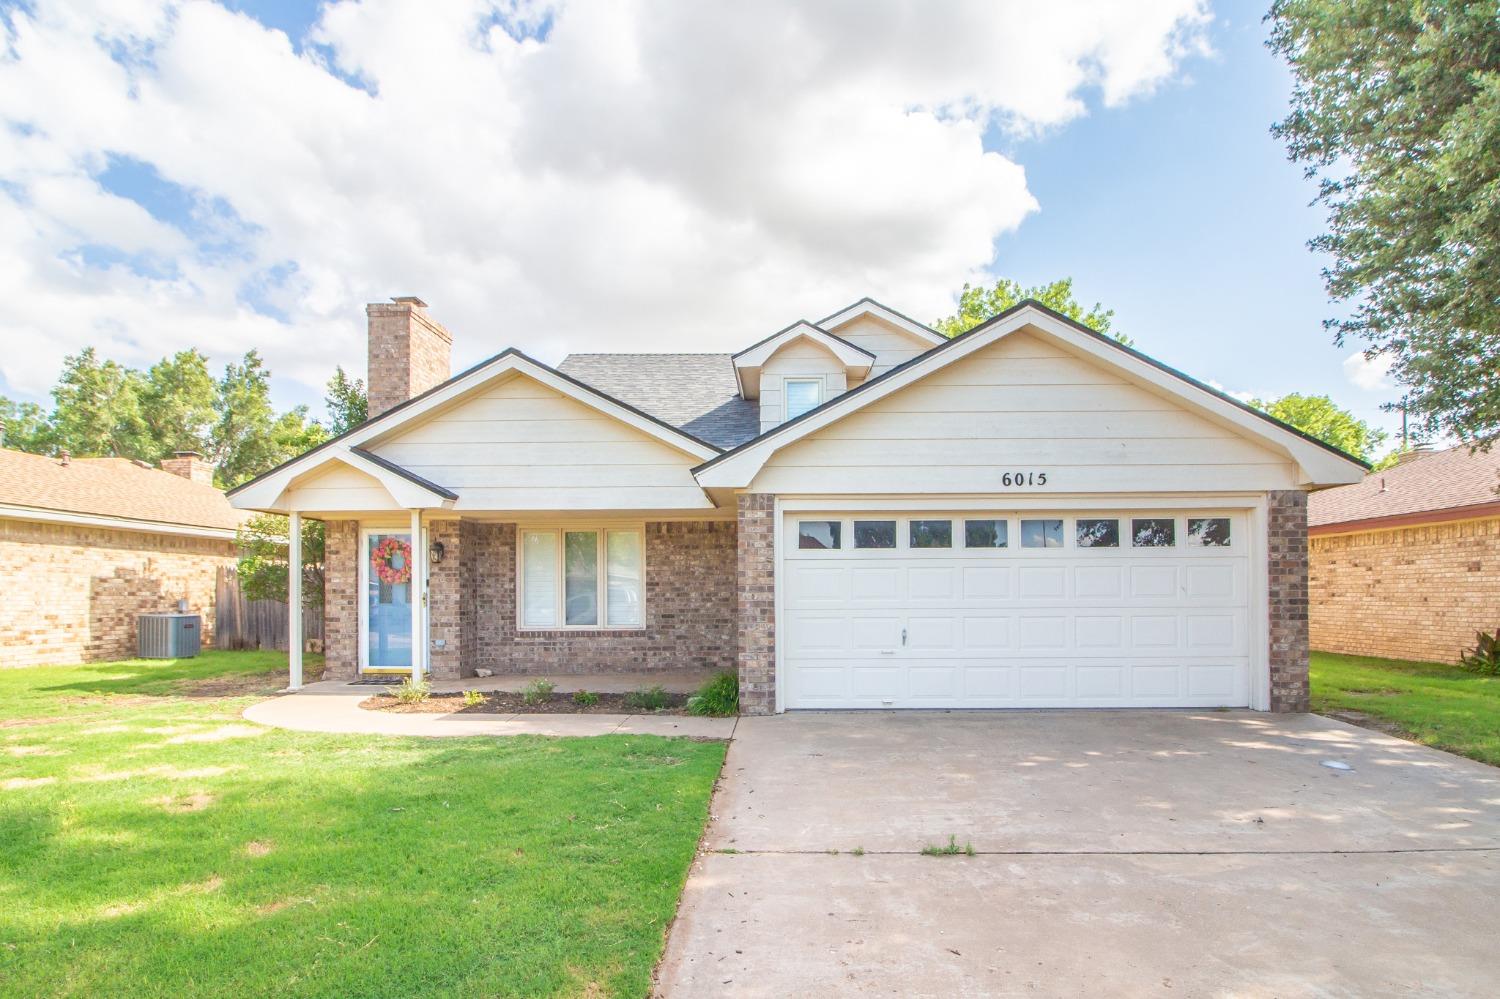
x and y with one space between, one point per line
1176 208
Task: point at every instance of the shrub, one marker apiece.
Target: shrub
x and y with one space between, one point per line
1484 657
473 698
648 699
718 698
538 691
585 698
408 692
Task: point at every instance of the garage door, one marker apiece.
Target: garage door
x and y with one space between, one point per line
1000 610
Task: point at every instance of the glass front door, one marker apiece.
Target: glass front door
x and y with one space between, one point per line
388 601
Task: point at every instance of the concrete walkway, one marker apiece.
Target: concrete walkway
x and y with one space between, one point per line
333 706
1116 853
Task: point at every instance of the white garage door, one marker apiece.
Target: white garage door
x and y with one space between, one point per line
1000 610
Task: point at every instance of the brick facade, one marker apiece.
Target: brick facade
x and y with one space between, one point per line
689 605
409 353
755 615
1286 570
341 599
74 592
1418 592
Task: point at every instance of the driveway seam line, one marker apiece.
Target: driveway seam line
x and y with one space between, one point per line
1118 853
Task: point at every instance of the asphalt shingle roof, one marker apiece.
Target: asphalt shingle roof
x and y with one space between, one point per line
696 393
111 487
1442 480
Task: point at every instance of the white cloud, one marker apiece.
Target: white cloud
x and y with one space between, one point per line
673 175
1244 397
1370 375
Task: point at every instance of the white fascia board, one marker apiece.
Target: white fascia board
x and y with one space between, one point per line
869 307
270 494
857 361
1317 465
38 515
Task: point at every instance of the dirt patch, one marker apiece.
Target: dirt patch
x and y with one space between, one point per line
18 783
244 684
505 703
1371 722
32 751
219 734
123 909
33 722
181 804
255 848
167 771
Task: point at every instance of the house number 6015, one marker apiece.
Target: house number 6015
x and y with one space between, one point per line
1023 479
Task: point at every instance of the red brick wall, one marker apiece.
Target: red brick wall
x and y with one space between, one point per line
1286 569
341 599
1406 593
756 603
72 594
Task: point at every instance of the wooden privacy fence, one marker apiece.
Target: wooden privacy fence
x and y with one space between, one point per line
240 623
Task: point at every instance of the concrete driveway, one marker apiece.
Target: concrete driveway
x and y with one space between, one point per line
1116 853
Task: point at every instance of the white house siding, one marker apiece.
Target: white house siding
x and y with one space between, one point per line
1023 405
890 344
519 445
339 487
799 359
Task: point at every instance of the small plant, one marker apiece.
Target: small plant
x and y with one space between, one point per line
538 691
408 692
648 699
585 698
858 851
1484 657
473 698
951 850
718 698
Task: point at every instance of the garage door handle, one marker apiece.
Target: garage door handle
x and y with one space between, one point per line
903 637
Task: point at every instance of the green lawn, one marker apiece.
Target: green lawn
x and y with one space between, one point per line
1439 706
152 843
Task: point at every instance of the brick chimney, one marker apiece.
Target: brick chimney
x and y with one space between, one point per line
189 465
409 352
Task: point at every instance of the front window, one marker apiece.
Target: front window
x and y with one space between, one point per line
802 395
585 578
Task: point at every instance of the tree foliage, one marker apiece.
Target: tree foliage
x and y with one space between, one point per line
1320 417
264 543
178 401
348 405
1396 111
976 305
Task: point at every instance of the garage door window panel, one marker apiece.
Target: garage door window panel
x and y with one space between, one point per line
1097 533
1041 533
1153 532
1208 532
986 533
874 534
819 535
931 534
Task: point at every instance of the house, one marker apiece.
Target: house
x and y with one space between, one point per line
90 543
1405 564
851 513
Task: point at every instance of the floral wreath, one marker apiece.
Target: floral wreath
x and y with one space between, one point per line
383 561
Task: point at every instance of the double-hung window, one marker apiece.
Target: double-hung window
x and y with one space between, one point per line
589 577
802 395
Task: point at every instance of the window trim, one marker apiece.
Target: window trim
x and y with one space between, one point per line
815 381
602 529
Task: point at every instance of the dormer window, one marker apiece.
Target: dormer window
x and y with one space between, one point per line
803 395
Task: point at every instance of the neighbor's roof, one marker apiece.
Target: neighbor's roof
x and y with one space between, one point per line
111 487
696 393
1441 481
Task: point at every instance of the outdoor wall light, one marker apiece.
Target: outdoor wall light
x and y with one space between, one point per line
435 552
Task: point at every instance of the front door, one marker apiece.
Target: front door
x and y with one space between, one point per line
388 588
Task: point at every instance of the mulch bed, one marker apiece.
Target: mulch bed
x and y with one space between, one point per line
505 703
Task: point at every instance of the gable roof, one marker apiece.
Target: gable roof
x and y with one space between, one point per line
1194 393
694 392
347 447
869 307
112 487
1439 483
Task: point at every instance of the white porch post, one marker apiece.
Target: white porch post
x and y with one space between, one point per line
419 639
294 603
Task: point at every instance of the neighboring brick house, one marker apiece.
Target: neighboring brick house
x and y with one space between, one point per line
87 544
852 513
1406 563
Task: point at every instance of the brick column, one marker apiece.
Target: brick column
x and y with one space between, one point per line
1286 571
341 599
756 604
445 599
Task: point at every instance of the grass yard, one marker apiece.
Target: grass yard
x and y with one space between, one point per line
1439 706
152 843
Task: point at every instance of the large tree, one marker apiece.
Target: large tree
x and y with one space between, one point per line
348 405
25 426
1396 111
177 403
97 408
1320 417
248 437
975 305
